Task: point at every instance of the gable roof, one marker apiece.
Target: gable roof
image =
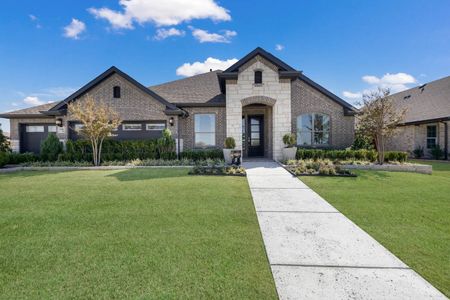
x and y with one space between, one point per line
101 78
201 89
430 101
282 66
34 112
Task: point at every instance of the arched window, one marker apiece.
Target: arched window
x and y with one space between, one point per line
313 130
116 92
258 77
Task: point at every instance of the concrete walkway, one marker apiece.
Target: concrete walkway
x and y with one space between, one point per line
315 252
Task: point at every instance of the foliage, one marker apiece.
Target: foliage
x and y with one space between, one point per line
4 143
15 158
166 145
289 140
4 158
315 167
393 156
218 170
202 154
349 155
437 152
362 141
98 119
229 143
418 152
51 147
81 150
378 119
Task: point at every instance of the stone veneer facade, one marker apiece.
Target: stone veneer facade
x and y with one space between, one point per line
278 90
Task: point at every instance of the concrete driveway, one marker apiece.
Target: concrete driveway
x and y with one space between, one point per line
315 252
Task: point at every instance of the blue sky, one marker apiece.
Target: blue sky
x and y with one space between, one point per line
49 49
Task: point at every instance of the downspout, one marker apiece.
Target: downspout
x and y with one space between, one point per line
446 140
178 137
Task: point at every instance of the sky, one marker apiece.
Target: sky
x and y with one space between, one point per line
49 49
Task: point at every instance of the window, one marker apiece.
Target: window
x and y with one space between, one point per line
431 136
313 130
78 127
131 127
116 92
156 126
51 128
205 130
258 77
35 128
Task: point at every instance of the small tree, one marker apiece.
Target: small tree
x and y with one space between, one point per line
166 145
51 147
4 143
289 140
98 120
378 119
229 143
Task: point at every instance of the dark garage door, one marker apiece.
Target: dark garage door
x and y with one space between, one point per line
31 136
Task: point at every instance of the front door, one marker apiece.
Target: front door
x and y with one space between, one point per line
255 135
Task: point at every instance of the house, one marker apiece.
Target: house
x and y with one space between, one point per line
427 118
257 100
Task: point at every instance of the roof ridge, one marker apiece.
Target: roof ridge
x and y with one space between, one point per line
185 78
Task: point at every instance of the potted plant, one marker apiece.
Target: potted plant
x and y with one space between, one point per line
229 145
290 150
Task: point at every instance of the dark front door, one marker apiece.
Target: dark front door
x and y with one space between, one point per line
255 135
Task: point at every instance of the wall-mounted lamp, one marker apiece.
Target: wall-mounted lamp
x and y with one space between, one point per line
59 122
171 121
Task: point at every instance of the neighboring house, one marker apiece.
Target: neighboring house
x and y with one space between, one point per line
427 118
257 100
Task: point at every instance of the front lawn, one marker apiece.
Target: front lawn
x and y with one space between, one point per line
141 233
406 212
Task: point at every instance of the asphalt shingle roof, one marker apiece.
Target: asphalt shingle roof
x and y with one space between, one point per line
35 110
202 88
425 102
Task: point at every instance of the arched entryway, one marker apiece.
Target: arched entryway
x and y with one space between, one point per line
257 126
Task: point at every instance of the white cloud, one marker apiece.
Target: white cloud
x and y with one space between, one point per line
74 29
15 104
164 33
351 95
35 20
210 63
279 47
395 82
161 13
32 100
204 36
32 17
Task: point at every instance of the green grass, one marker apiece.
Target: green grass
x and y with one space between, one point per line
406 212
142 233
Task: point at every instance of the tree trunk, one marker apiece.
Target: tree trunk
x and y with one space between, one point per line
100 151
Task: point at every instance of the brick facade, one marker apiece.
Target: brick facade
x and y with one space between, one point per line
306 99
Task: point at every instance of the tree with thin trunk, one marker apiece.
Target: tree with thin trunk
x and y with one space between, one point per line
98 120
378 118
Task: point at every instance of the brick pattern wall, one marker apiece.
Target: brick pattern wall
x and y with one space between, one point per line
306 99
187 125
408 138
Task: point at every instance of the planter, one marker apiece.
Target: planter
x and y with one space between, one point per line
227 156
289 153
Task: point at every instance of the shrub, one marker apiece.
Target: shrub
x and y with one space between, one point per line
19 158
166 145
289 140
51 147
4 143
316 154
399 156
202 154
229 143
4 159
418 152
437 152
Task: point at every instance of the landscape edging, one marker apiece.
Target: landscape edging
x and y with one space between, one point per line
413 168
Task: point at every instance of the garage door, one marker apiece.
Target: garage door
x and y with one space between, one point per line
31 136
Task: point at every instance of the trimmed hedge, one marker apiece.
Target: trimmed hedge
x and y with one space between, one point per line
367 155
81 150
3 158
202 154
19 158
